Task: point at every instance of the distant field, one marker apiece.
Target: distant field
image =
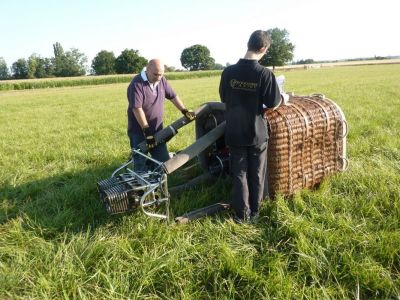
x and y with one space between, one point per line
340 241
26 84
341 64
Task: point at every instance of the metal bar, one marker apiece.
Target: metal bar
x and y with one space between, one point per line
202 212
142 206
194 149
168 132
121 167
146 156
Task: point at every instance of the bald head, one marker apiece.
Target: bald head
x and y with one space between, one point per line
155 70
155 63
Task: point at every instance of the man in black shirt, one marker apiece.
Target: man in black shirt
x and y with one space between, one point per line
247 88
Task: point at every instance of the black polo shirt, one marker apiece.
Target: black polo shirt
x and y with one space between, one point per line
244 88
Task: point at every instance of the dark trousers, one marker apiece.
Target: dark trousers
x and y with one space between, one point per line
159 153
248 172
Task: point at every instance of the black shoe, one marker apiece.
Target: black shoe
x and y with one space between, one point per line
254 218
238 220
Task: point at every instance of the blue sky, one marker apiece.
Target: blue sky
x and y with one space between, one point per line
320 30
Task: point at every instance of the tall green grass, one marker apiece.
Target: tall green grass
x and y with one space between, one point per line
339 241
27 84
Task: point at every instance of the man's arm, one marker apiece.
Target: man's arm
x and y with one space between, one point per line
178 103
140 117
172 96
147 131
272 98
222 88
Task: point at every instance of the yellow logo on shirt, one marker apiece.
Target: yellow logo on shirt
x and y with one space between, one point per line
243 85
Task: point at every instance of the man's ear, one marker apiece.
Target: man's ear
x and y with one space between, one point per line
263 49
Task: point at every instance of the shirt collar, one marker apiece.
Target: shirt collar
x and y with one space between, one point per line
248 61
144 77
143 74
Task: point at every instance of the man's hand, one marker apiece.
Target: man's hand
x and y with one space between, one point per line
189 114
150 140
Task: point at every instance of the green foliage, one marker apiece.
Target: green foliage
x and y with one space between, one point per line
218 67
281 49
4 72
68 64
64 64
31 66
44 67
39 67
197 57
305 61
20 69
129 61
58 50
104 63
169 68
33 62
338 241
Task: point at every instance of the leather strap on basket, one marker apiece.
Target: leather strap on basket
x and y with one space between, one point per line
327 127
342 162
323 109
290 135
305 137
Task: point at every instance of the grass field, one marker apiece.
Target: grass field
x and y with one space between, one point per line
57 82
340 241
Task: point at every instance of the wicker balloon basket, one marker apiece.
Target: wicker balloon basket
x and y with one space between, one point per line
307 143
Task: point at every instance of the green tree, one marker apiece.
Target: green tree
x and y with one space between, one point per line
19 69
281 49
76 61
218 67
59 59
4 72
39 67
197 57
32 65
129 61
70 63
305 61
104 63
58 50
44 67
169 68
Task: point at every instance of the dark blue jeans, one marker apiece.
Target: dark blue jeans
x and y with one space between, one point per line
248 173
159 153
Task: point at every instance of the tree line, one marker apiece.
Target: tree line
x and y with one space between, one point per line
73 62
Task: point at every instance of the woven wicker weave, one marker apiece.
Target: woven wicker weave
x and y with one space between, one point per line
307 142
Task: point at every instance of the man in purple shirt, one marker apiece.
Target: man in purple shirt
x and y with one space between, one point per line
146 94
